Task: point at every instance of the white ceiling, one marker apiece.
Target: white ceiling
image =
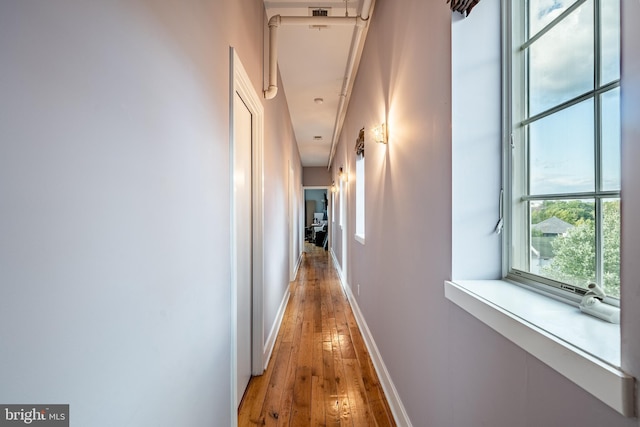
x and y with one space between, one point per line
312 65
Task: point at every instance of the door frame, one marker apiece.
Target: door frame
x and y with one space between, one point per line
241 84
329 216
294 234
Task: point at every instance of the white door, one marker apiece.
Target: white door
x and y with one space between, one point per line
243 238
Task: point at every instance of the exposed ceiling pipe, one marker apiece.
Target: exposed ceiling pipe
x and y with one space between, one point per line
355 52
367 8
277 20
272 90
357 44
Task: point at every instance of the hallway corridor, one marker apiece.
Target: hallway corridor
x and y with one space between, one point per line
320 372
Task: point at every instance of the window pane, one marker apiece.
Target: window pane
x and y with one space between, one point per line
343 208
360 212
562 234
610 11
611 247
561 62
333 204
611 140
562 151
542 12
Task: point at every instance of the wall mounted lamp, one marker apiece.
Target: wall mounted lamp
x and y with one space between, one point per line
334 189
343 175
380 134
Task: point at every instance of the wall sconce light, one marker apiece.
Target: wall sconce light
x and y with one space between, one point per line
380 134
343 175
334 189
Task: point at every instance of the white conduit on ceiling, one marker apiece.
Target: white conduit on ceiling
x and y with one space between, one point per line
278 20
355 51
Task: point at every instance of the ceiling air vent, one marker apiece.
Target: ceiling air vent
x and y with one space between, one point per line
319 11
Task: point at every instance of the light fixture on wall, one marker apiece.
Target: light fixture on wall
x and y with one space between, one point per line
334 189
344 176
380 133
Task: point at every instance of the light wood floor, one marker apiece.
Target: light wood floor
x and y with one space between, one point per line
320 373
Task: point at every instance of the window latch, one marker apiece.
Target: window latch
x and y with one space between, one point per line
500 224
592 303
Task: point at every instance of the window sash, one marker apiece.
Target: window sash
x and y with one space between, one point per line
516 168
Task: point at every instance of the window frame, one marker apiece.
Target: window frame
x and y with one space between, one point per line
343 208
515 171
333 204
359 234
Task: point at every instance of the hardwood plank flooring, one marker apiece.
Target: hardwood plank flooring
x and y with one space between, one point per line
320 372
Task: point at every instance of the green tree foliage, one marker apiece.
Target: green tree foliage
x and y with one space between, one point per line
570 211
575 256
611 249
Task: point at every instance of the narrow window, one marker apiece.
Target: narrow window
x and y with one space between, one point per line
360 206
343 199
333 204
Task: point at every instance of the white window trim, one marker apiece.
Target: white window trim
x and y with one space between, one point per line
498 304
343 201
333 204
360 199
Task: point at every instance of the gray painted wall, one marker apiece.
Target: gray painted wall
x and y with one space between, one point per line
115 206
280 151
316 176
318 196
449 369
404 79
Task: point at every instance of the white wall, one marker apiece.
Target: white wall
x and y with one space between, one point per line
630 220
114 206
476 143
449 369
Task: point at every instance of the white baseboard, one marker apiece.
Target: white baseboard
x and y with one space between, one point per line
397 408
297 267
273 334
336 265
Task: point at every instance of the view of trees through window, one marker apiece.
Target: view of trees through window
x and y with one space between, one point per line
563 242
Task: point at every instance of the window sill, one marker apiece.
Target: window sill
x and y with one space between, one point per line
583 348
359 238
